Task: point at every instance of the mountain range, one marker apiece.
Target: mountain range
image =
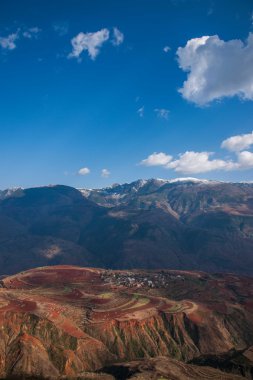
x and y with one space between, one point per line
186 224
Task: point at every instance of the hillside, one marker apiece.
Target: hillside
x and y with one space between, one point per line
67 321
185 224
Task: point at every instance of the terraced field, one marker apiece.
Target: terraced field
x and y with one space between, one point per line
82 319
48 292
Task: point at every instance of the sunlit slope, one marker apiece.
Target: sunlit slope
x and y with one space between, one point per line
64 320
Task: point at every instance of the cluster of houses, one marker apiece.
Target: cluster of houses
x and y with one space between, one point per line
160 279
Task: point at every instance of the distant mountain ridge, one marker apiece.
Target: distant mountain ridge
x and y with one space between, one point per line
179 224
120 193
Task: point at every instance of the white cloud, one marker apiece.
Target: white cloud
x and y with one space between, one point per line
84 171
238 143
199 162
105 173
157 159
191 162
245 160
92 42
166 49
118 37
163 113
216 69
140 111
9 42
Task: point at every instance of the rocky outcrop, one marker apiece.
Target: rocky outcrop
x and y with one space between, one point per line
33 346
174 335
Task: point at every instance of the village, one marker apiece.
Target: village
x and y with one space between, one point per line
160 279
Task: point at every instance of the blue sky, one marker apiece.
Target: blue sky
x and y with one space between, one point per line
72 99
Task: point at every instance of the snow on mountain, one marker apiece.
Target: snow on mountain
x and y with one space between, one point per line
189 179
140 183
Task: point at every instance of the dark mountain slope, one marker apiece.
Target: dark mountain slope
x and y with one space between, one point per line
147 224
214 222
43 226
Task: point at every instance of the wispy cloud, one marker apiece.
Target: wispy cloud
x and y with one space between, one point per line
31 32
10 42
216 69
162 113
166 49
61 28
118 37
105 173
140 111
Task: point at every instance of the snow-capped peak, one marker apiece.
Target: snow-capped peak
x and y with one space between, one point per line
188 179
